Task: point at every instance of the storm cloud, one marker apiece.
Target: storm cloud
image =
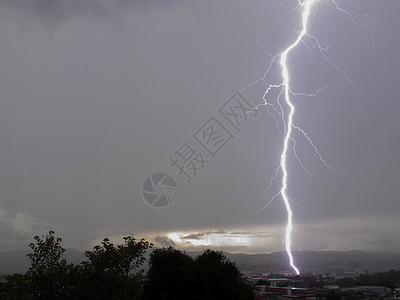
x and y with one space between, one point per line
89 111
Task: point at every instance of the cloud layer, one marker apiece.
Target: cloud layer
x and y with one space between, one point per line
88 112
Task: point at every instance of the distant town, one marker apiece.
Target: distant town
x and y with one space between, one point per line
333 286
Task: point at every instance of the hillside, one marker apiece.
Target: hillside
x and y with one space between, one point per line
308 261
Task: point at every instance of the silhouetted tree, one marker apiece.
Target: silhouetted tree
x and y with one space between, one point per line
220 277
15 287
332 295
48 275
112 272
175 275
170 275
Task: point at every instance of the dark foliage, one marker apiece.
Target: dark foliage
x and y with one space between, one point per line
387 279
114 272
175 275
332 295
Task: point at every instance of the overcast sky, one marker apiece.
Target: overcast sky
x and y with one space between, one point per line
96 97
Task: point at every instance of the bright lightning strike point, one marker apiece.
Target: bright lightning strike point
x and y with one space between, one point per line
288 128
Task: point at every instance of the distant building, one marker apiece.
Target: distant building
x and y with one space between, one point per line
288 292
298 282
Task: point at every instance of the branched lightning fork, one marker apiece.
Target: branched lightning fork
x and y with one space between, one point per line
288 128
283 119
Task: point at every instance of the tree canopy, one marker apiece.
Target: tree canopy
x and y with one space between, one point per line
116 272
175 275
111 272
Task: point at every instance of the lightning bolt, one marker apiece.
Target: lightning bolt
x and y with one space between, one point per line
285 116
288 130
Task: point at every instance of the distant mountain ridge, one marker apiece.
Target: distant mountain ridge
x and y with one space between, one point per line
17 262
319 261
309 261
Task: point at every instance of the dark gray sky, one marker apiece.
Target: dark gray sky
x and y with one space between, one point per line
96 97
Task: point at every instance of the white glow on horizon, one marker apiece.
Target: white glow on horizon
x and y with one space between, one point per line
211 239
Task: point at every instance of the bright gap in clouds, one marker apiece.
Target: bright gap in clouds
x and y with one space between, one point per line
210 239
